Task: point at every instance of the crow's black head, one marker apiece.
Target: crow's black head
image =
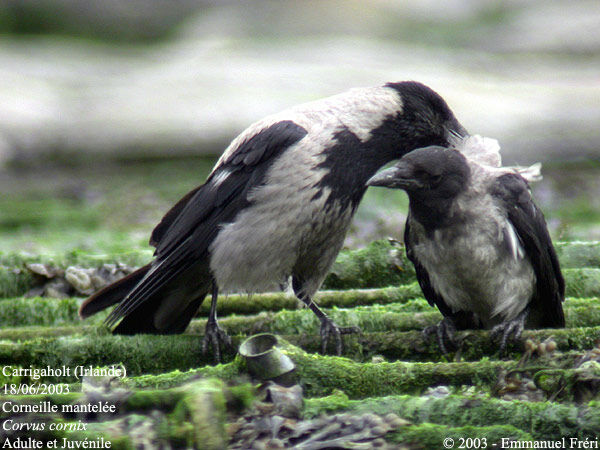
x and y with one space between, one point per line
414 117
425 118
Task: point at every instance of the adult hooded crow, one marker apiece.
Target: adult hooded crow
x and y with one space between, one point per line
479 244
277 204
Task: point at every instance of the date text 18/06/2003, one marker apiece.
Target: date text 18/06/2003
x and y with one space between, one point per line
56 443
36 373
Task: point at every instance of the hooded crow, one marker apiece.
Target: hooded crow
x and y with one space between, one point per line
277 204
479 244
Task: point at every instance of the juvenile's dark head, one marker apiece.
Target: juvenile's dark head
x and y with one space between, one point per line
432 177
427 172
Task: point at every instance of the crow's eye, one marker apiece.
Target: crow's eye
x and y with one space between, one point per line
420 174
435 179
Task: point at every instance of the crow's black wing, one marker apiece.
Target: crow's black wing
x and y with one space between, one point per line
528 222
184 235
243 169
168 219
434 299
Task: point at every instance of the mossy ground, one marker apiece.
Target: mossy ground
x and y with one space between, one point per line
77 218
390 368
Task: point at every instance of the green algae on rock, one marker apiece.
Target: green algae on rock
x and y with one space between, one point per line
165 370
544 420
155 354
190 415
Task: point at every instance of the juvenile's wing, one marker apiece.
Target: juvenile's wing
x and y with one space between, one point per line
531 229
434 299
184 235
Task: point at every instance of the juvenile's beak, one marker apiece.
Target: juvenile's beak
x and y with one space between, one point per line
399 176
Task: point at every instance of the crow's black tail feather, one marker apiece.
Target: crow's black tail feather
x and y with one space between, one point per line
112 294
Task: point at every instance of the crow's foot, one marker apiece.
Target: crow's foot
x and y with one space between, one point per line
215 336
444 332
510 330
329 330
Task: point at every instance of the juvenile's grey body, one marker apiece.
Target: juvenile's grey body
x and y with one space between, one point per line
477 264
277 204
480 246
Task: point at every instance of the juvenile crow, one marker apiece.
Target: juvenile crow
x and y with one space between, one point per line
479 244
277 204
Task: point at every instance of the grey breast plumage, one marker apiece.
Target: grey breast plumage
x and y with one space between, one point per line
478 241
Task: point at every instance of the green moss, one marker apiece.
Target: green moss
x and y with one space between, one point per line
164 380
178 433
147 400
379 264
38 311
150 354
51 212
583 316
225 372
240 397
305 321
14 281
29 318
335 402
475 344
582 282
433 436
21 311
321 375
368 319
578 254
577 302
206 405
28 333
139 354
543 420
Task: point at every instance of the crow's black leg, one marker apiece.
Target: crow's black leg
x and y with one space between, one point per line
214 335
328 327
444 332
511 329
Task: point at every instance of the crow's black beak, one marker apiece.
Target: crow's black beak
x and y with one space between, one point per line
456 134
400 176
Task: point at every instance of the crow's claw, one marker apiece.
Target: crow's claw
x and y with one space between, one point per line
350 330
510 330
215 336
444 332
329 329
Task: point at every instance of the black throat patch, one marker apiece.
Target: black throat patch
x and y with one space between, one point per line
349 163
